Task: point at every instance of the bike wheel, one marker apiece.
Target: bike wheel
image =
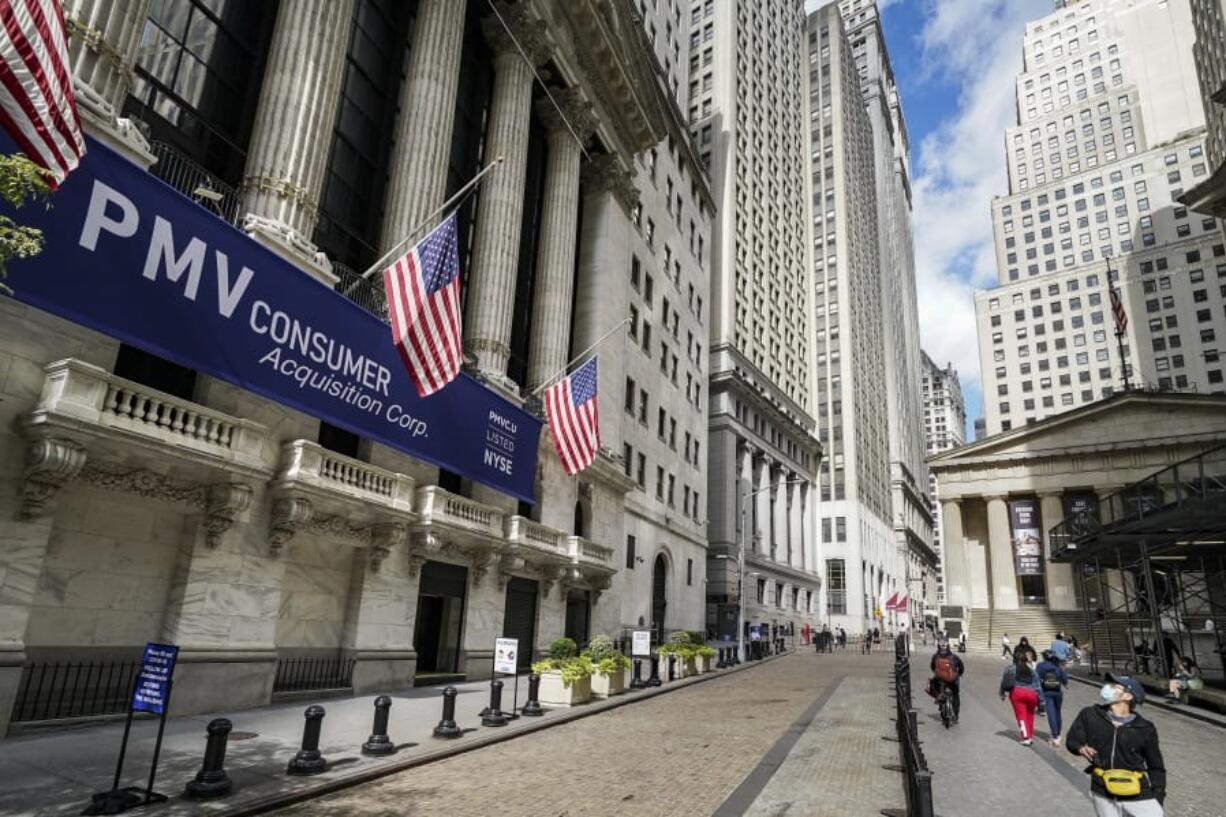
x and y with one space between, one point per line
946 716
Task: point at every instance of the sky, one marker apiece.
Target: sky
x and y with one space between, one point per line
955 62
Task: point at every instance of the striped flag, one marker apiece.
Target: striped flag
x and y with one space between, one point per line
900 606
574 421
37 106
423 304
1117 310
891 601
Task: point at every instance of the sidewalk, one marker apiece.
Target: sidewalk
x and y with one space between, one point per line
55 772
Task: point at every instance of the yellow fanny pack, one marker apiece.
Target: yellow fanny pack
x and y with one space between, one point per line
1121 782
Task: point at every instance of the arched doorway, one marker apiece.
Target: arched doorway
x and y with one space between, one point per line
659 595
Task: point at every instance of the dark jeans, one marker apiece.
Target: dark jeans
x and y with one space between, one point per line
1054 701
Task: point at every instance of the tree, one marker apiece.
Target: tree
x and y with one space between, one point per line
21 182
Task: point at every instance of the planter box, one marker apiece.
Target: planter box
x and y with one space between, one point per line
704 663
554 693
606 686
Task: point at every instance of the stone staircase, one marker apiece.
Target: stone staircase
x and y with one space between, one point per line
1040 625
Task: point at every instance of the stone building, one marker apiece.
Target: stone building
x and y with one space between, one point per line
944 428
747 113
1209 53
248 532
1001 495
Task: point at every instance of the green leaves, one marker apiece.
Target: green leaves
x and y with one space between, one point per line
21 182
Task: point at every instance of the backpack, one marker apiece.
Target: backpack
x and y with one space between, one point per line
946 670
1051 681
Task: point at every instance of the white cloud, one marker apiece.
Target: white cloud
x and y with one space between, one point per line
975 46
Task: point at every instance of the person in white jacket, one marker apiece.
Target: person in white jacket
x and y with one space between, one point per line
1006 647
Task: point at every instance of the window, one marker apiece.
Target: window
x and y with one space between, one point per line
689 571
630 543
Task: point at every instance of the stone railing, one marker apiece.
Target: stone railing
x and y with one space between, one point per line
535 536
81 397
308 464
586 552
437 506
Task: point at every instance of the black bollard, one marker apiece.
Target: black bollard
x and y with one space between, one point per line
446 727
672 665
654 680
379 743
494 715
309 760
637 681
211 780
533 706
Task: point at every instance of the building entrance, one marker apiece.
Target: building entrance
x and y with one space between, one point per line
519 618
578 616
440 617
659 595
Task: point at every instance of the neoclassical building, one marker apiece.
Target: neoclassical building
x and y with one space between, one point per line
1001 495
145 500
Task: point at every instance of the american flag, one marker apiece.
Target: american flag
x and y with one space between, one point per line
574 421
1117 309
37 106
423 303
900 606
891 601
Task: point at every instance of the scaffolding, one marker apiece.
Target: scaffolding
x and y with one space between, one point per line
1153 556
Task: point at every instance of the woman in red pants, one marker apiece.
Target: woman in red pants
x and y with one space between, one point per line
1020 684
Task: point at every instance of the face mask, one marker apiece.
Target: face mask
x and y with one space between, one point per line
1107 694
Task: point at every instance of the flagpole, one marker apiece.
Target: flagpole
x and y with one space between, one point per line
459 194
1119 336
549 380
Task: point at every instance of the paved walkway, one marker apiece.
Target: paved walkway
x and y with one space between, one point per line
980 768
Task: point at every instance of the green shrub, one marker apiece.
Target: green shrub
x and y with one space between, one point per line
679 637
697 637
708 652
563 648
601 647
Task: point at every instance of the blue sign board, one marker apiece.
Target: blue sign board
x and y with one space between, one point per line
131 257
157 665
755 632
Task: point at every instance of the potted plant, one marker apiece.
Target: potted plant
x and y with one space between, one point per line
679 645
566 677
703 655
608 667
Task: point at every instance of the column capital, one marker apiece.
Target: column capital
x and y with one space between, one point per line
605 174
994 497
569 112
513 28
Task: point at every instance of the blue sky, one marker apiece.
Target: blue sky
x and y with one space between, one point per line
955 62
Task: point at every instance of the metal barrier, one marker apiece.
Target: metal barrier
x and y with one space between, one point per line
917 780
192 180
54 690
309 674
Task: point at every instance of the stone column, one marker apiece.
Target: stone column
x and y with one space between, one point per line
761 500
957 575
380 612
1061 583
1000 545
484 610
549 349
293 127
427 117
102 40
491 296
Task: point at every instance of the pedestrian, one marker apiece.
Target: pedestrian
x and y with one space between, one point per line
1023 647
1020 685
1053 680
962 641
842 639
1127 773
876 637
1060 648
1006 647
1187 676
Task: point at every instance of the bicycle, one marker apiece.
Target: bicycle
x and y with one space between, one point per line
945 703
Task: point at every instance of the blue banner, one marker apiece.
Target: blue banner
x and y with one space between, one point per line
131 257
152 691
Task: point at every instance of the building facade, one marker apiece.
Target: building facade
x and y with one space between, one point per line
747 109
1110 134
1209 21
252 533
944 428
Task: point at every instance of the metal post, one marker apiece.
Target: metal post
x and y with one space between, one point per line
672 660
379 743
446 726
1085 610
1155 617
654 680
211 780
150 797
309 760
494 716
637 682
532 708
1104 587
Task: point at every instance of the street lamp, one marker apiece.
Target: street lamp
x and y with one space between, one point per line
740 560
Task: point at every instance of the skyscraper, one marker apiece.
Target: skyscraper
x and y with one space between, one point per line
1208 196
747 109
944 428
1110 132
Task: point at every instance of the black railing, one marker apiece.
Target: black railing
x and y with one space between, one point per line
193 181
917 780
365 292
312 674
57 690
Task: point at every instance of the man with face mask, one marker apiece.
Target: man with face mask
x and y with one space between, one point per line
1127 774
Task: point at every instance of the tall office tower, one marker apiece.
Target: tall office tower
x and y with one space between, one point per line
1110 132
912 517
1209 53
746 98
863 566
944 428
665 451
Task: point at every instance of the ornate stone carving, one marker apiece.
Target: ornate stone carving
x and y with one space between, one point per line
550 575
49 464
415 562
223 502
340 527
142 482
515 28
289 513
568 114
605 174
383 537
481 560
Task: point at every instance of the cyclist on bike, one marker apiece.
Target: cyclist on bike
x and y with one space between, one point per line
947 669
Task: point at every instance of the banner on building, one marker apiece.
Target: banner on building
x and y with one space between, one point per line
1027 537
1080 512
131 257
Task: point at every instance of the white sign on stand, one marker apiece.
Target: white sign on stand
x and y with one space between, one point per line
506 656
641 644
